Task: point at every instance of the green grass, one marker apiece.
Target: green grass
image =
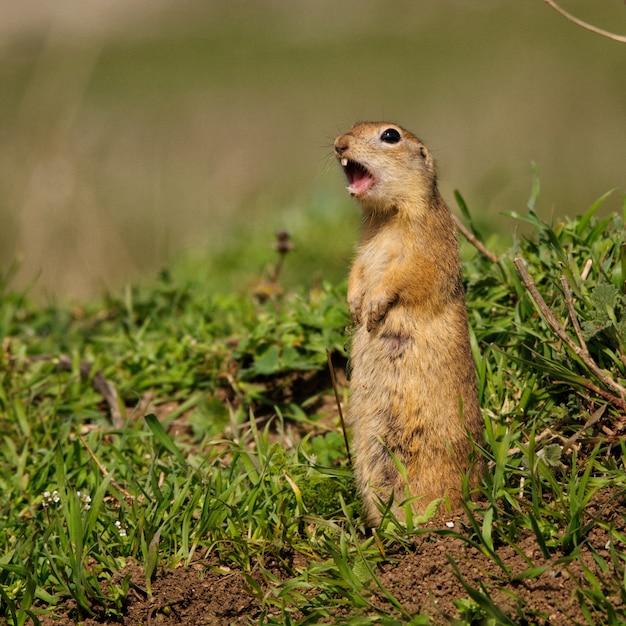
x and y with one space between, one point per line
80 497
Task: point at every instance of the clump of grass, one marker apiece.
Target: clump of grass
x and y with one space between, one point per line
260 476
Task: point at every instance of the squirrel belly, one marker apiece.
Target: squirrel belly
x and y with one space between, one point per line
412 398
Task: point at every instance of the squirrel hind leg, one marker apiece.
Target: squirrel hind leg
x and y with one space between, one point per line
380 481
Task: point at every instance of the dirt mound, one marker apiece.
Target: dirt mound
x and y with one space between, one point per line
185 595
428 577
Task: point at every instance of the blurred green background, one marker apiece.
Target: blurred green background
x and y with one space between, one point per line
134 135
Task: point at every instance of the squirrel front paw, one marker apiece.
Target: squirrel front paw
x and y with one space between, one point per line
378 309
355 305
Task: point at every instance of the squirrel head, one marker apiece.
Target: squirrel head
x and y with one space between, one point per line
387 167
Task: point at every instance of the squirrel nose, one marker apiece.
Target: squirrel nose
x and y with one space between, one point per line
341 145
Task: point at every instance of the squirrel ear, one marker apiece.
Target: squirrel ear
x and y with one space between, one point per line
426 156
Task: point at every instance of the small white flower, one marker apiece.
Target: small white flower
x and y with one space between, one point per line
120 529
450 524
85 499
50 498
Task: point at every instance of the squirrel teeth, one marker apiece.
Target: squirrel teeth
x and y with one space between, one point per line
344 161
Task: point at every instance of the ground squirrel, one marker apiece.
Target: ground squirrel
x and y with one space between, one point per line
412 373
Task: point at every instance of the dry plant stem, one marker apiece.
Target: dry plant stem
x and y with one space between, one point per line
585 25
546 432
99 383
581 351
572 314
474 241
168 605
333 378
567 443
587 384
103 469
593 419
282 246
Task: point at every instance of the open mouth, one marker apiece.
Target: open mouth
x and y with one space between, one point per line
359 178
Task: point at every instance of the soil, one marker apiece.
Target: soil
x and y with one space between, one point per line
421 577
425 580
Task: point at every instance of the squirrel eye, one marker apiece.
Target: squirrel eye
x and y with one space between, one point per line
391 135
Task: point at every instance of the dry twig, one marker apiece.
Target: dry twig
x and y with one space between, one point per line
585 25
479 245
545 433
333 379
594 418
580 350
103 469
99 383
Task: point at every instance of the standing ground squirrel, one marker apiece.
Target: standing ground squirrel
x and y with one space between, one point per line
413 378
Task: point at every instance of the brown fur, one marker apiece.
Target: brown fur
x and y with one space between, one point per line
411 362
